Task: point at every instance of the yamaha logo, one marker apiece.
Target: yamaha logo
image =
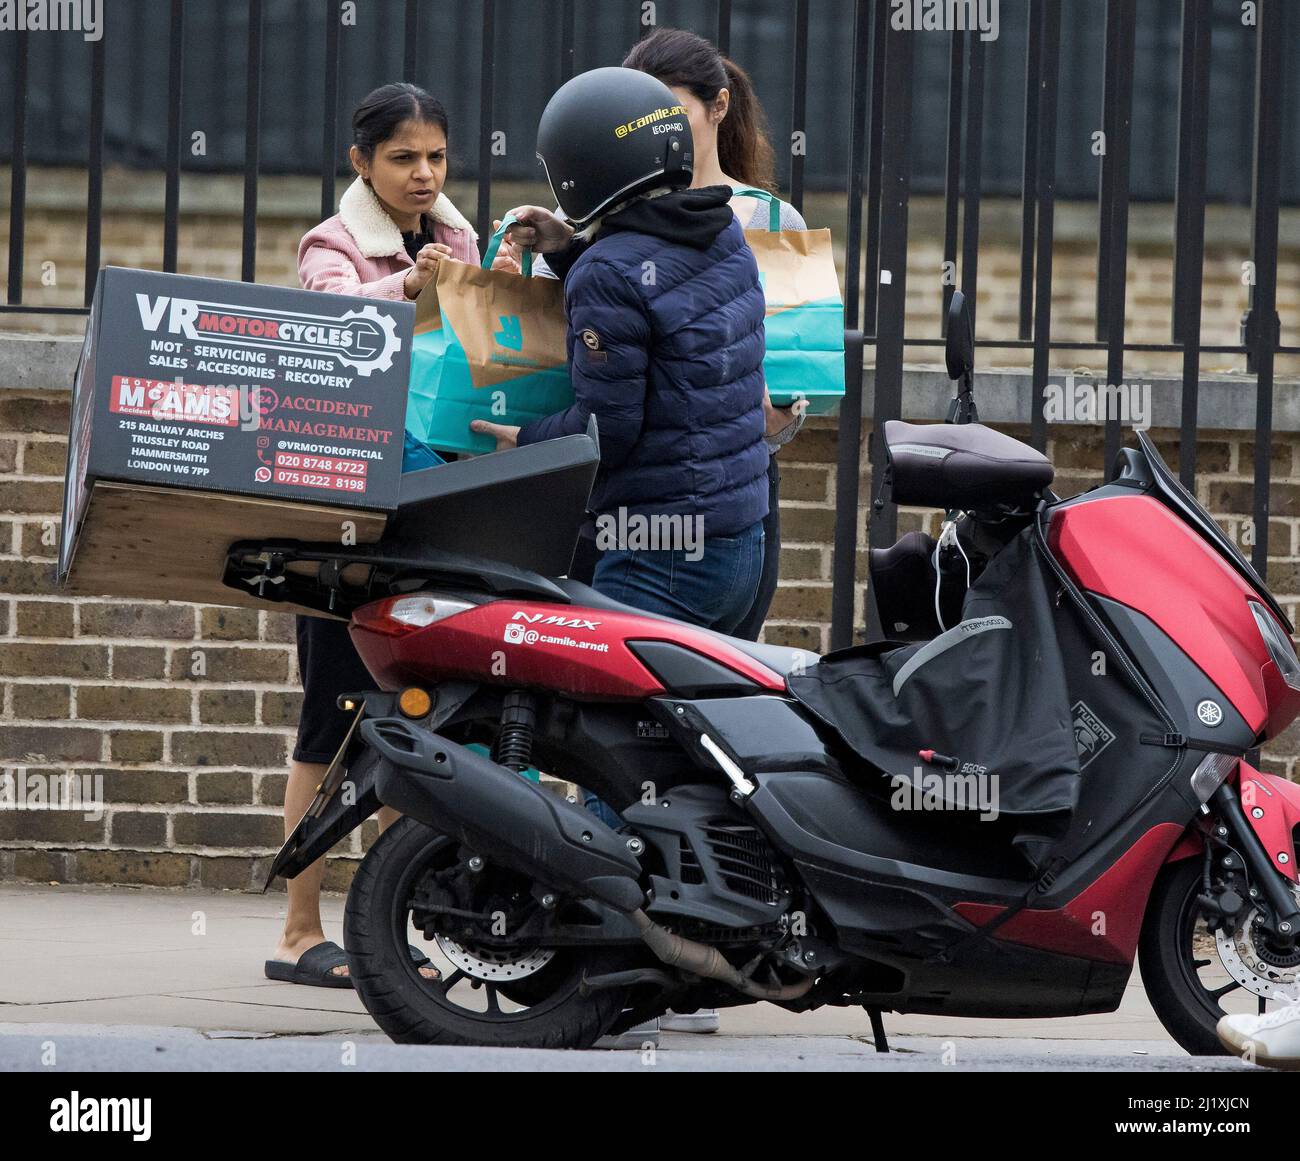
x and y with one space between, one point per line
1210 712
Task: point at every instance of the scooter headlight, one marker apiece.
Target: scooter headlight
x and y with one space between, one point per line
1279 646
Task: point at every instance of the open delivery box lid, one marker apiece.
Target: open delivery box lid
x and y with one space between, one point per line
508 519
169 464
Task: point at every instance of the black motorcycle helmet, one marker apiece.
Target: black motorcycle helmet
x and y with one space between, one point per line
609 134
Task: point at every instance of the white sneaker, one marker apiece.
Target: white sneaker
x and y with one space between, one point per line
704 1020
1274 1037
634 1039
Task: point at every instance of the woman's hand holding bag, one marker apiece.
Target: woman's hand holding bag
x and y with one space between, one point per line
426 266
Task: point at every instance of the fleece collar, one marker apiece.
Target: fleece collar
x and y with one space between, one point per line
376 234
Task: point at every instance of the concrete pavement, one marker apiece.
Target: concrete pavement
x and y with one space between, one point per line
124 978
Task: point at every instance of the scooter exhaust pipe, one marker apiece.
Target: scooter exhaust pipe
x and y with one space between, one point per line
509 819
708 962
500 815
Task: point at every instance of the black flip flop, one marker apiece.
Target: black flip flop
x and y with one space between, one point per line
314 969
420 959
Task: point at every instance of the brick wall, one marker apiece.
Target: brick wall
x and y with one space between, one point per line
193 766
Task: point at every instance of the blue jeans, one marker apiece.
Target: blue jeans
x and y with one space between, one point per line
751 624
714 592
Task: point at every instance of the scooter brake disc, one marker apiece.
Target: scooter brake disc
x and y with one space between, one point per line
1254 966
487 964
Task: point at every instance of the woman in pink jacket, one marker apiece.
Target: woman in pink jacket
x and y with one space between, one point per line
393 227
396 204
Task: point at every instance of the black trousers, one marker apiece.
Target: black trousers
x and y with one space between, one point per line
330 666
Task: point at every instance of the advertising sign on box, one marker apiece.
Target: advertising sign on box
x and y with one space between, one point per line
233 387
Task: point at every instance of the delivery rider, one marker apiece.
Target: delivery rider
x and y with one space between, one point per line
665 343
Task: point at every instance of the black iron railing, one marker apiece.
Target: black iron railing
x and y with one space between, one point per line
887 159
880 150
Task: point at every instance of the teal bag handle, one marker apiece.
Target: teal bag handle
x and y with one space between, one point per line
773 205
526 266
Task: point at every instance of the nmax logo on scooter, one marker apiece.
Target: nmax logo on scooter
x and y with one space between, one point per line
559 622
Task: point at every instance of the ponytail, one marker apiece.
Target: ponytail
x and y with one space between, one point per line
744 150
680 58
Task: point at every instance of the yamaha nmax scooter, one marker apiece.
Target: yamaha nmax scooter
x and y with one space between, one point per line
1037 776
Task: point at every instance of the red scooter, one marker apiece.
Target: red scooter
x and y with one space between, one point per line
1040 774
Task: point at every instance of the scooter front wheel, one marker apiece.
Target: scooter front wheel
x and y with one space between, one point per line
490 994
1193 976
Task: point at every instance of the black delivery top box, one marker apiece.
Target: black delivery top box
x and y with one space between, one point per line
240 388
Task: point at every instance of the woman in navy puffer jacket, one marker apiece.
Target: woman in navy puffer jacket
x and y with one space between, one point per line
665 345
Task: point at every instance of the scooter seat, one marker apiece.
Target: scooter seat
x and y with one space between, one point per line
962 465
777 658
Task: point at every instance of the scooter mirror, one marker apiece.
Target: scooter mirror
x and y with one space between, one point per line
959 354
960 348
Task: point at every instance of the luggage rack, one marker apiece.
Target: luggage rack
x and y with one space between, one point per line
346 577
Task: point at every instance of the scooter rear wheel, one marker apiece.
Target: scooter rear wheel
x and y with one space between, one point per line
482 1000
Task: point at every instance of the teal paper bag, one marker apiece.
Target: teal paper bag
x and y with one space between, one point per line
427 352
804 330
495 351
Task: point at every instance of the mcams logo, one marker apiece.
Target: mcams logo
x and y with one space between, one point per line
654 118
363 339
946 16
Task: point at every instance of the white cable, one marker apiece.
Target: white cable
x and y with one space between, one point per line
957 541
938 575
938 581
948 534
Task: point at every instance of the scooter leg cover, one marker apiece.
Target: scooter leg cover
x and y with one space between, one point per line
978 718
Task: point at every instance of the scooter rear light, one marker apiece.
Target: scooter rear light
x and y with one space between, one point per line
1279 646
398 616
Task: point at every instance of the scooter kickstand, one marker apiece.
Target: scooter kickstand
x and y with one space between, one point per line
877 1029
